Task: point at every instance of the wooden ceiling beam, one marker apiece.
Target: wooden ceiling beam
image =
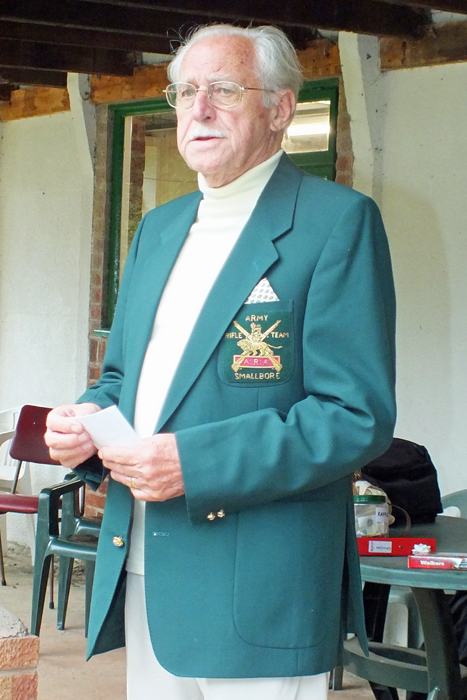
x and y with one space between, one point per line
97 15
457 6
5 91
99 39
76 59
365 16
28 76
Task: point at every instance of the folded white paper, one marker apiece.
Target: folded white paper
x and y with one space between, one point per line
109 428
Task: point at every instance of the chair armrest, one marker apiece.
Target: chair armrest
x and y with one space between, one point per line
48 513
6 436
73 519
88 526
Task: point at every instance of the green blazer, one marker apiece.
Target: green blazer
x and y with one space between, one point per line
252 573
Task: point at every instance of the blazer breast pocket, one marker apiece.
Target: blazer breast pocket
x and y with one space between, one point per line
258 347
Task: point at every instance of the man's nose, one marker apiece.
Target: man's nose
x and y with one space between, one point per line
202 108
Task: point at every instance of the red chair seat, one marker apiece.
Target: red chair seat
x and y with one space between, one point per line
17 503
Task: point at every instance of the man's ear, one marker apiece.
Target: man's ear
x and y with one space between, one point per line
282 113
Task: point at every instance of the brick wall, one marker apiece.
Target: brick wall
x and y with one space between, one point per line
102 169
319 61
19 655
344 162
95 500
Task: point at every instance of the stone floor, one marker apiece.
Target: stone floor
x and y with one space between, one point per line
63 671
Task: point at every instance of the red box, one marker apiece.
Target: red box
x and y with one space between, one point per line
392 546
438 561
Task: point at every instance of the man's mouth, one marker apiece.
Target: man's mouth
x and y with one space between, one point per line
202 133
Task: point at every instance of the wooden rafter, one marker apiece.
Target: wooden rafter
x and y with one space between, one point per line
28 76
5 91
27 54
99 39
457 6
167 18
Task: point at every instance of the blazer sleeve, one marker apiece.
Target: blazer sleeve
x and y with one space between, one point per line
348 415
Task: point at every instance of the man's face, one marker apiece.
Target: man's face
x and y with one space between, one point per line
238 138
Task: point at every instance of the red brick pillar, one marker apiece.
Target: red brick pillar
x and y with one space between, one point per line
19 655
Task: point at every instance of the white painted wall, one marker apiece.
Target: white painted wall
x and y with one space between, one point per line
420 182
45 247
424 191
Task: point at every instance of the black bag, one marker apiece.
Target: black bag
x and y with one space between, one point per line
409 478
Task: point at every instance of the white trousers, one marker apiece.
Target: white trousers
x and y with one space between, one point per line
147 680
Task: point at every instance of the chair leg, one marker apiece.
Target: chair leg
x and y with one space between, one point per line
65 570
2 563
51 586
336 678
90 567
39 588
381 692
31 534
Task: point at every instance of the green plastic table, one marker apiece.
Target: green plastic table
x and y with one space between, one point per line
436 670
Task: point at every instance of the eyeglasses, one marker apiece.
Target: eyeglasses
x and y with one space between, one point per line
221 93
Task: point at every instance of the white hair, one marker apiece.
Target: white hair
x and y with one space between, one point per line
277 67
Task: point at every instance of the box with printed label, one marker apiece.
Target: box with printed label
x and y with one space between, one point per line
392 546
438 561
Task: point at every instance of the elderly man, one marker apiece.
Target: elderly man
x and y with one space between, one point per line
253 349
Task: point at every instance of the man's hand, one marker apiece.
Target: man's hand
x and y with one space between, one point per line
66 438
151 470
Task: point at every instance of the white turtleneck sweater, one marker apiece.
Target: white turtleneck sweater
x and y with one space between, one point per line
222 215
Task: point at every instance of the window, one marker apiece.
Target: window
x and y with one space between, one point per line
147 169
311 138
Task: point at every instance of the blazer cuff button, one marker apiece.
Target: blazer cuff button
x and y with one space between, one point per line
221 514
118 541
211 516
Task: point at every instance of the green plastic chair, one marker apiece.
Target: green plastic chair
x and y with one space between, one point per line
60 533
76 528
458 499
61 529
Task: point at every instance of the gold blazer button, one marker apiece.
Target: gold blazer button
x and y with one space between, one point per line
211 516
221 514
118 541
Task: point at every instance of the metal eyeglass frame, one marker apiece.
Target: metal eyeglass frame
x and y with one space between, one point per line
241 90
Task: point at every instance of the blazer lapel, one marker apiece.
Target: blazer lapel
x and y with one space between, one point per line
252 256
147 294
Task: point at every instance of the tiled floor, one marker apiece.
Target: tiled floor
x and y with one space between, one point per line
63 671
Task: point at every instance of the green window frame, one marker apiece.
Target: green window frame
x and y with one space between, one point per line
320 163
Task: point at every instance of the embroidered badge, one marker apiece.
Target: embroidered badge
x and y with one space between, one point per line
258 346
254 347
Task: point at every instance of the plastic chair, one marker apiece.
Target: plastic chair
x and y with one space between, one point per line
59 518
13 503
68 537
458 499
9 475
74 528
30 426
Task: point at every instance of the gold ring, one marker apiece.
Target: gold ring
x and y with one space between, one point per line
133 483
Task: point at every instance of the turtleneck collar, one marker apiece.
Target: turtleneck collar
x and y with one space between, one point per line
254 179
